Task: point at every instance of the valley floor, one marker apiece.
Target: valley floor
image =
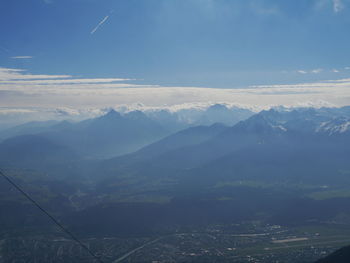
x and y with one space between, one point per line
244 242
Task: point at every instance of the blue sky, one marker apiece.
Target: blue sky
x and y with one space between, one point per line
217 44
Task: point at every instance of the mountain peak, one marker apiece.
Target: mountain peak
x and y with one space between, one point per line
111 114
260 123
109 118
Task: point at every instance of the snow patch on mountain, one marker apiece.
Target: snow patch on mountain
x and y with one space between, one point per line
336 126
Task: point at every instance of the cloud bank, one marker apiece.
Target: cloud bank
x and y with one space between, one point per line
21 92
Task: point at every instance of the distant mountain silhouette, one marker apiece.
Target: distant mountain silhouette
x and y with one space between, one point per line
27 128
217 113
111 134
106 136
221 114
115 134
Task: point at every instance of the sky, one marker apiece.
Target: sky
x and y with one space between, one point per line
87 54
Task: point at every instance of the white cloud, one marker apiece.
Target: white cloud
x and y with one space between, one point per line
302 71
61 81
262 9
22 57
316 71
77 96
337 6
339 80
19 74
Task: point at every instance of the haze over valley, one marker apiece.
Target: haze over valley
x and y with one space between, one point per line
169 131
138 175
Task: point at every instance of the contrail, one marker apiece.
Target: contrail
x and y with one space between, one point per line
99 24
4 49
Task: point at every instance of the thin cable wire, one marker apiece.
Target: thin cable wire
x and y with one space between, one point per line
51 217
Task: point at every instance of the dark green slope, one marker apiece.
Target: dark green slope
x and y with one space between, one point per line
340 256
33 151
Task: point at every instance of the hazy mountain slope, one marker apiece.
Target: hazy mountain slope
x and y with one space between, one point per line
27 128
106 136
268 146
110 135
227 140
187 137
152 156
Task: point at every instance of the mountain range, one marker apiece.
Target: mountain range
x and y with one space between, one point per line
281 166
116 134
109 135
267 141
